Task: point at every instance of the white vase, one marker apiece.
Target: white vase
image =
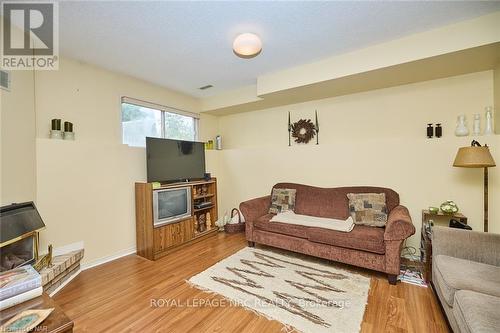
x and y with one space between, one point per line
476 129
488 126
461 129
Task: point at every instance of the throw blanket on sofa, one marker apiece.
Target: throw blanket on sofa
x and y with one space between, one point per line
312 221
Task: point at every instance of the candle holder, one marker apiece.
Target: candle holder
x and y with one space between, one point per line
68 131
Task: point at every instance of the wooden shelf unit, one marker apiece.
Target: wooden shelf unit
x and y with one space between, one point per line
196 210
155 242
203 196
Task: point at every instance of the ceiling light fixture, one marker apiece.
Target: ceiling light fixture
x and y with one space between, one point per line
247 45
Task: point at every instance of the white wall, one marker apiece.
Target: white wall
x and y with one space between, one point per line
17 137
18 140
373 138
496 87
85 188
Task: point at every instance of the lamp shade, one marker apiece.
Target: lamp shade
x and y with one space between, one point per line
474 157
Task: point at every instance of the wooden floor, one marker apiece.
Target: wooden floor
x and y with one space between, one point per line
116 297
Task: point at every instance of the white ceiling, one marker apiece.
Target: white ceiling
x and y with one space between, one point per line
186 45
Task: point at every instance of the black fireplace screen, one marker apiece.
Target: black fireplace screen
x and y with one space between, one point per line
19 226
17 254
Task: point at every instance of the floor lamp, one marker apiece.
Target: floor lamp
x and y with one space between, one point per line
477 156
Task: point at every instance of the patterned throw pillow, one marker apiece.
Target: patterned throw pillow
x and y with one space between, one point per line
282 200
368 208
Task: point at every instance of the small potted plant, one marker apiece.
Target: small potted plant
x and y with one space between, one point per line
449 207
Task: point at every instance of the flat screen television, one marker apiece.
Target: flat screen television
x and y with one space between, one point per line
174 160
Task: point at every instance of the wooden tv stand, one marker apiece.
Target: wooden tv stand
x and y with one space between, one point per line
155 242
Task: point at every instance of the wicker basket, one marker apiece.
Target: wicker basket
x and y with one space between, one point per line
236 227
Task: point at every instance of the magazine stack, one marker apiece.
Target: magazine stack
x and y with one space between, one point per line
19 285
412 275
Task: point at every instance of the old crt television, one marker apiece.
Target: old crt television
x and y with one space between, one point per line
171 205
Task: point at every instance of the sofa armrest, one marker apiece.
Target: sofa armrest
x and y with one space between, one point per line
252 210
255 208
465 244
399 225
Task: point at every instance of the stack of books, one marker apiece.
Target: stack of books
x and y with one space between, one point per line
19 285
411 275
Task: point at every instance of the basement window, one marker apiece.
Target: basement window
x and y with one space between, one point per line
141 119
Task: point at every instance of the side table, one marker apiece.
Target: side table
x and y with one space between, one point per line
56 322
426 216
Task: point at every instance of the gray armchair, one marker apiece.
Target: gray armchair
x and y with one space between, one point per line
466 278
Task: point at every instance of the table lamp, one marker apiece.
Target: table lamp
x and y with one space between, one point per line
477 156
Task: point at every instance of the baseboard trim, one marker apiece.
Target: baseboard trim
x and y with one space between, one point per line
103 260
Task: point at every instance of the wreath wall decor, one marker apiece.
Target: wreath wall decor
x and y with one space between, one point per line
303 131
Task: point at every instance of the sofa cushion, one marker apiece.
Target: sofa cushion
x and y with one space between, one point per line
282 200
362 237
455 274
368 208
295 230
332 202
476 312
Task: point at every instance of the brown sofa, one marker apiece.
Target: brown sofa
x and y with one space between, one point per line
370 247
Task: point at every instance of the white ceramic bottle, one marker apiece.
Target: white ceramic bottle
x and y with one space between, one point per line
218 142
476 130
461 129
488 126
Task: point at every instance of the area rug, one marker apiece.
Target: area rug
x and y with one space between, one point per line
305 294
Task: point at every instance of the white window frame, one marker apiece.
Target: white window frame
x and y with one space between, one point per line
162 109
